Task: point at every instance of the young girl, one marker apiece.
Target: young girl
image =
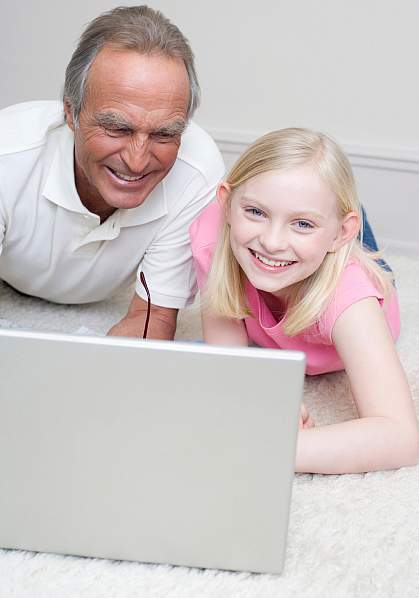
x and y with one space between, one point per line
279 265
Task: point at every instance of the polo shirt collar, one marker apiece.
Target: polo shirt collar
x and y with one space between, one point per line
60 187
154 207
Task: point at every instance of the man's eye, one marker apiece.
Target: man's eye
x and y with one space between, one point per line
163 137
117 131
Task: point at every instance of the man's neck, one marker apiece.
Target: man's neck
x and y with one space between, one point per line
94 206
89 196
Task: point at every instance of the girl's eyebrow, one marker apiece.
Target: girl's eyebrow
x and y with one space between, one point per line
251 198
302 212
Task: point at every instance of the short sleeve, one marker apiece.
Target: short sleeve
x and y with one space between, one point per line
3 221
354 285
167 264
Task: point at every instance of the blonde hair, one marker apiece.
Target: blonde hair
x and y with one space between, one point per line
281 150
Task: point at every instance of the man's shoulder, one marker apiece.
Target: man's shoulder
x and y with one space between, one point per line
25 126
201 153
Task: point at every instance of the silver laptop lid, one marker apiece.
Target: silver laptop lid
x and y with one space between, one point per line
153 451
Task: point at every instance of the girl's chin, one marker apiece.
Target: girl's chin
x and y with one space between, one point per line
266 287
281 291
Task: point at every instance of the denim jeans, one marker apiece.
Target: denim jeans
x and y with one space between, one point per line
368 240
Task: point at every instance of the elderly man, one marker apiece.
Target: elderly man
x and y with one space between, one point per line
89 201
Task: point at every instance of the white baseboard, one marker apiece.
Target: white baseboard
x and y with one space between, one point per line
387 182
398 247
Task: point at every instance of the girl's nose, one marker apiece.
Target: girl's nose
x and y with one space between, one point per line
274 239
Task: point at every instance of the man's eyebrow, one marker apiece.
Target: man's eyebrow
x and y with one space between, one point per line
117 121
172 129
112 119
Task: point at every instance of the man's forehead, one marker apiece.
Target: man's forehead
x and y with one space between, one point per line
147 91
148 75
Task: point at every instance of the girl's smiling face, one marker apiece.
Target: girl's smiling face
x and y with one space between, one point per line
282 225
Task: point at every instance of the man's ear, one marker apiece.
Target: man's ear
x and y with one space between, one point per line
349 228
68 114
223 193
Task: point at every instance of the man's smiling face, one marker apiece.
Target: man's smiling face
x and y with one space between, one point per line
129 129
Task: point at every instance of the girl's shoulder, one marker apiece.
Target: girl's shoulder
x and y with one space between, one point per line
203 234
354 284
204 229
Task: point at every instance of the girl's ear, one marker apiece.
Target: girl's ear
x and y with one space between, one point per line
223 193
349 228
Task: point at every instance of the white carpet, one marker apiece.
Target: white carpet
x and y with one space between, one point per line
349 535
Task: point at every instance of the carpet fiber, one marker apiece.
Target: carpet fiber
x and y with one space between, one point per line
349 535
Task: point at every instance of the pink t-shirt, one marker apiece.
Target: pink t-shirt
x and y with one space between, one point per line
264 330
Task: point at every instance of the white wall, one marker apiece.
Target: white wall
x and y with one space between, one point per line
347 67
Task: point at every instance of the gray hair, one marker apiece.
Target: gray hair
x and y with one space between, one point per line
132 27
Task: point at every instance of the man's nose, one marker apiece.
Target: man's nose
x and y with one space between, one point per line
136 154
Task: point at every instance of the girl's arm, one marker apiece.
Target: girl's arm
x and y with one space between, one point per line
228 331
223 331
386 436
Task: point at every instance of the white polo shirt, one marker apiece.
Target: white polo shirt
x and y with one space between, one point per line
52 247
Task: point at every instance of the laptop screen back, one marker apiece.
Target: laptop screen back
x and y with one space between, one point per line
153 451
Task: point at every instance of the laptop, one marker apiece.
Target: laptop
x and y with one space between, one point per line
152 451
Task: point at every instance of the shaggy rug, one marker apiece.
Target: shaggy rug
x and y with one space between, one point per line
349 535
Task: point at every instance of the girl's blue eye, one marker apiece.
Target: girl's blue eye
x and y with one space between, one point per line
254 211
304 224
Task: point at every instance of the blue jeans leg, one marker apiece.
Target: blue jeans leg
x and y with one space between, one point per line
369 242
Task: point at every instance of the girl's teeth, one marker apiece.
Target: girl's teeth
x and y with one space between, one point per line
125 177
269 262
